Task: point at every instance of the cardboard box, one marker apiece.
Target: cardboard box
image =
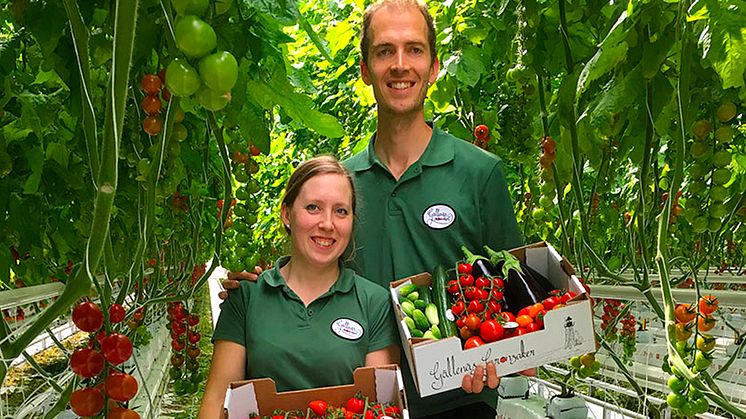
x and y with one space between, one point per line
439 365
383 384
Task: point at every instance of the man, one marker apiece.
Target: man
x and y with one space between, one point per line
422 192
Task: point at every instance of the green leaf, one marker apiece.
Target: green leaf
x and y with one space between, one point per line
470 66
654 54
254 127
14 131
606 58
314 37
35 158
339 37
566 98
8 55
732 66
284 11
59 153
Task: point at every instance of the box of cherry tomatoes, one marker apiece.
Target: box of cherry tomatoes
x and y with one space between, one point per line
519 309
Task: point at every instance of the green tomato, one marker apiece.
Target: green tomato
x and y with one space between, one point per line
702 360
190 7
538 214
699 170
241 175
721 176
676 384
179 132
699 149
546 202
714 224
700 224
212 100
718 193
722 158
585 371
687 409
596 366
705 343
700 405
675 400
697 187
174 373
724 134
194 37
181 78
718 210
575 362
219 71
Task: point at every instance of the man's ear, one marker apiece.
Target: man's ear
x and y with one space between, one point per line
364 73
434 70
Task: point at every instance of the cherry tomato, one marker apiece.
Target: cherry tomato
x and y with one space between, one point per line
193 351
177 360
533 310
497 294
150 84
498 283
532 327
523 312
219 71
475 307
318 407
473 342
87 401
355 405
453 287
705 343
254 150
708 304
523 320
181 78
684 313
569 295
458 308
481 132
491 331
120 387
473 322
466 280
519 331
494 306
550 302
87 363
705 323
464 268
151 104
116 313
116 348
540 318
702 360
193 320
194 37
122 413
194 337
178 344
482 282
507 316
88 317
152 125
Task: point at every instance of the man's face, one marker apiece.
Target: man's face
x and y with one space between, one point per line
400 64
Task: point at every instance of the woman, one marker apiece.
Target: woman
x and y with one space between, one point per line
308 322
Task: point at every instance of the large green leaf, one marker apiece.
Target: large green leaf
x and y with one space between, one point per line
284 11
35 158
470 66
732 66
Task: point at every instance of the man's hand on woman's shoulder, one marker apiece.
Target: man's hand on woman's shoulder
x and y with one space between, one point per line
234 278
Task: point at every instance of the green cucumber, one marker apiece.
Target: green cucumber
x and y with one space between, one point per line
413 296
407 289
410 324
440 297
407 307
416 333
435 330
420 320
425 294
429 335
421 304
431 312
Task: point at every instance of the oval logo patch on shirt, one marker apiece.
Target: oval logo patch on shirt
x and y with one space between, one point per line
439 216
347 329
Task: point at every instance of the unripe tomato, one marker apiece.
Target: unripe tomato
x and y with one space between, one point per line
152 125
116 348
194 37
88 317
87 401
705 323
190 7
120 387
151 104
219 71
182 79
705 343
212 100
87 363
151 84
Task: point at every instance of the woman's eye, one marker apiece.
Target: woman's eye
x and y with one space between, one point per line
312 207
342 211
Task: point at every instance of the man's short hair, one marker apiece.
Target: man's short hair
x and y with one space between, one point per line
373 8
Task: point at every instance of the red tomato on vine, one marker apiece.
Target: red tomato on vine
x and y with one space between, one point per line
87 401
151 84
121 387
481 132
116 348
88 317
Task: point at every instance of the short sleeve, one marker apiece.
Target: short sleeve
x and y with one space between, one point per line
383 331
498 218
231 323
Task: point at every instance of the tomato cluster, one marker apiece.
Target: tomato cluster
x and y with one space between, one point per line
691 318
546 187
215 74
611 309
478 307
97 363
585 365
628 336
710 175
357 407
185 338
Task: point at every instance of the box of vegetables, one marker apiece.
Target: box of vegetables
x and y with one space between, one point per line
519 309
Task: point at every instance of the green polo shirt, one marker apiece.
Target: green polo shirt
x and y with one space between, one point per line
303 347
455 194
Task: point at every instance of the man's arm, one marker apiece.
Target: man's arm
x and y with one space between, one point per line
385 356
234 278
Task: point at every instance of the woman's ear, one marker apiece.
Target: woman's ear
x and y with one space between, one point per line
285 215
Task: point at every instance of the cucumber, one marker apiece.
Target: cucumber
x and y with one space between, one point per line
425 294
429 335
407 289
431 312
407 307
420 320
413 296
440 297
436 332
421 304
410 324
416 333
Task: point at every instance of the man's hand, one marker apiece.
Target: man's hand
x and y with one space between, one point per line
475 383
234 277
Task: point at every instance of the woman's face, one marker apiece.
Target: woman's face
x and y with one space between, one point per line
320 220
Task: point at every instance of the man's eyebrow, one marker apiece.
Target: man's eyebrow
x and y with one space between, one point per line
390 44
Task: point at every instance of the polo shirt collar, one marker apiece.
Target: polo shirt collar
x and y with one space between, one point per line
438 151
344 282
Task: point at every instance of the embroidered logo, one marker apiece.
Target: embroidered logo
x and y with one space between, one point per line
439 216
347 329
